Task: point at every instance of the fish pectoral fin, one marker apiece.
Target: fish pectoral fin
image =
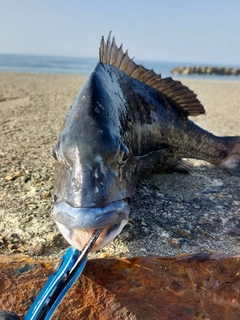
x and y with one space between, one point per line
180 166
149 160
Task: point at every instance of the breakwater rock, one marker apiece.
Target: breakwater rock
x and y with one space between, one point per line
221 71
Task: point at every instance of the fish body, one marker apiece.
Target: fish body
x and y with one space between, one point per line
125 121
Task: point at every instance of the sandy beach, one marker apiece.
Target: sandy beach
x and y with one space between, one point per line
170 213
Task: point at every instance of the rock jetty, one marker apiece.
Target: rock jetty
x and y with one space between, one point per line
221 71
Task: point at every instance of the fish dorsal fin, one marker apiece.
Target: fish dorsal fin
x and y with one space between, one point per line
179 94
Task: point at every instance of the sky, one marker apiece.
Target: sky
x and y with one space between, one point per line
204 31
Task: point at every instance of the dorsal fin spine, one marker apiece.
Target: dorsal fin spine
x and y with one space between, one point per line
111 52
136 72
109 47
119 56
121 66
131 67
155 79
101 50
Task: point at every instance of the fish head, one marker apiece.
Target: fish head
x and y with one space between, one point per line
95 174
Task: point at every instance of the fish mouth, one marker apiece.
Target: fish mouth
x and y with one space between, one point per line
78 224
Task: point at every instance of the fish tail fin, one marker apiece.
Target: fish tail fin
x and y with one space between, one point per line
230 155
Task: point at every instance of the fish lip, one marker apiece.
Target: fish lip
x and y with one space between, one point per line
90 218
77 240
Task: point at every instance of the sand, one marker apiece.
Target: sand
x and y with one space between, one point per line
170 213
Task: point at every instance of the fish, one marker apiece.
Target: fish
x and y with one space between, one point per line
125 122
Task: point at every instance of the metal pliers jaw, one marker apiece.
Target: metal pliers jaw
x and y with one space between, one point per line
64 275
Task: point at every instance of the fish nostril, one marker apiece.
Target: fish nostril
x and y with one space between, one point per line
55 151
54 154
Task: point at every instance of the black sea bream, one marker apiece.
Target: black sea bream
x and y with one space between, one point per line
125 121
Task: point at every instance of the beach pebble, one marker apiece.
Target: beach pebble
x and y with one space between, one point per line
36 250
235 232
9 178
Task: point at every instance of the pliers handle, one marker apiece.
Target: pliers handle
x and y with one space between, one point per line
64 275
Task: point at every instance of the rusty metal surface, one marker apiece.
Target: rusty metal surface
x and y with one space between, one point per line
181 287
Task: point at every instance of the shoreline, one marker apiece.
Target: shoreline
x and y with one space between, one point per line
175 76
170 213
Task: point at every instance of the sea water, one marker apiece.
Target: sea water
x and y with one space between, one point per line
72 65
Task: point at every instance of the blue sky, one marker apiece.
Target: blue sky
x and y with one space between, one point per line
206 31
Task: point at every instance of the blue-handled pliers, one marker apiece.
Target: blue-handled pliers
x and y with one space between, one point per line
65 273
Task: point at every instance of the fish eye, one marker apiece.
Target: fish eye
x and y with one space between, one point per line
123 155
